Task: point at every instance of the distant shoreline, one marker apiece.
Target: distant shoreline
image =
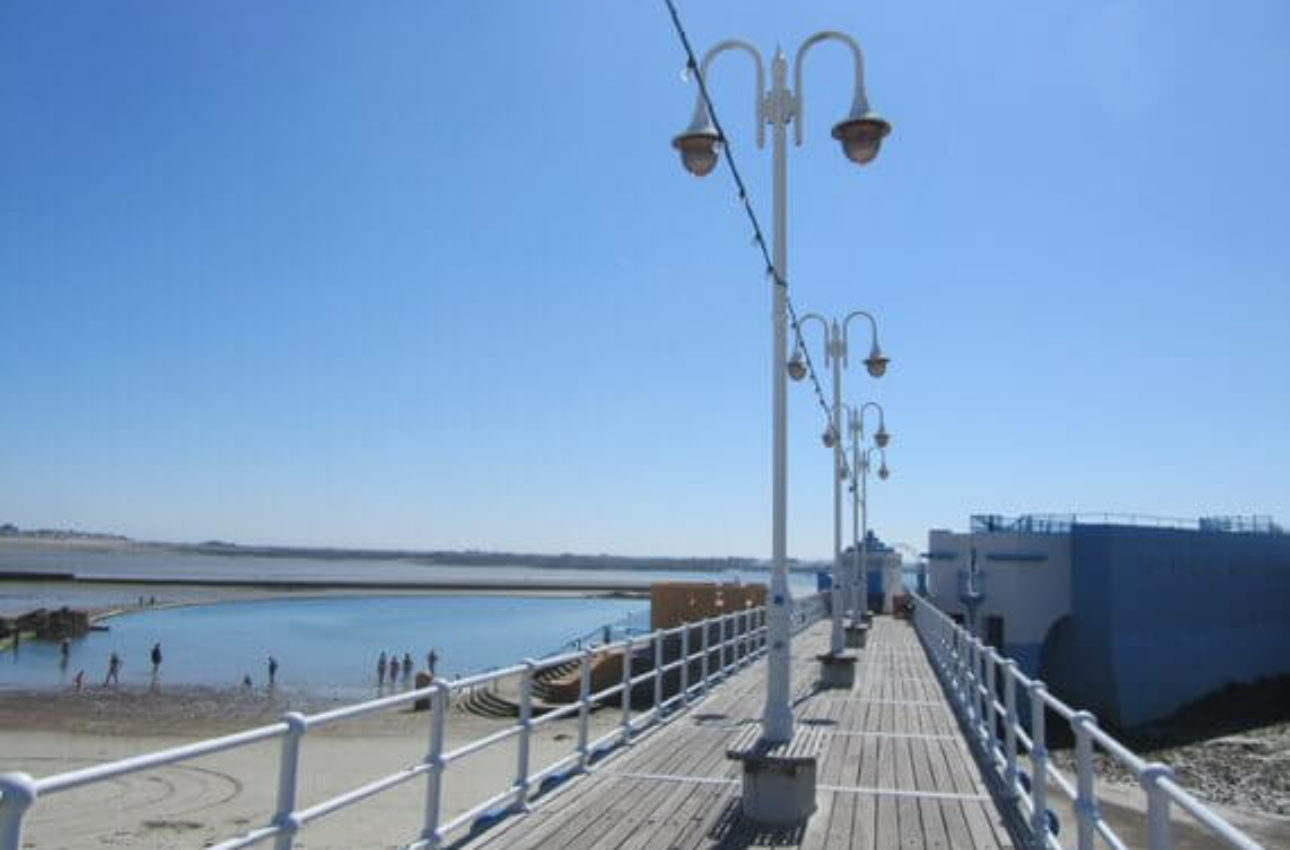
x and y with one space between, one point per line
614 589
472 558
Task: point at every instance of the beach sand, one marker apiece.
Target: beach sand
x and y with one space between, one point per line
219 797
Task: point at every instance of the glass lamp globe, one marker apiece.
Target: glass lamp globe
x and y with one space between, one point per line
861 136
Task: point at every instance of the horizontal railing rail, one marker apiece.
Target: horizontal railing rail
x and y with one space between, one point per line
983 687
706 651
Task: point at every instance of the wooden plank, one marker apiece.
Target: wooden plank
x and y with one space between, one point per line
651 812
907 812
935 836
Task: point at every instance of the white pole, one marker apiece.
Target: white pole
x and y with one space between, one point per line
1086 815
862 580
777 717
1159 829
434 777
855 531
1038 765
526 737
288 773
837 642
584 707
17 793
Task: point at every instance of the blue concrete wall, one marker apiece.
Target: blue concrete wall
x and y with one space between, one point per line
1161 617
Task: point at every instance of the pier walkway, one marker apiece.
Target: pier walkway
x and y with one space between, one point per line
896 771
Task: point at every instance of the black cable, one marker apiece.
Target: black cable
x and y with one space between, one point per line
692 66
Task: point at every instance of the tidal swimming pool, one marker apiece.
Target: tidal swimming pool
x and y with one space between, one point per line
325 646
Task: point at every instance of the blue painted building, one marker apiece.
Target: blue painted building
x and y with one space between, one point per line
1128 617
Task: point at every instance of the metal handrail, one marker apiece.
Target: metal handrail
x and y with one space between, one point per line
967 668
727 643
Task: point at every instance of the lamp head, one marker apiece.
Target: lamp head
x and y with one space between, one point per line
861 134
830 439
843 472
881 437
876 362
700 144
796 366
883 472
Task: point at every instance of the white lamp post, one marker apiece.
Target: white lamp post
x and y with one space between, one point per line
861 134
835 351
860 493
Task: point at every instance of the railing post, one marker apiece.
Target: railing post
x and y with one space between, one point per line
658 675
1038 765
969 683
1010 725
979 688
434 776
584 708
707 642
992 698
964 660
17 793
288 774
727 644
1159 830
627 691
1086 800
743 638
526 736
685 663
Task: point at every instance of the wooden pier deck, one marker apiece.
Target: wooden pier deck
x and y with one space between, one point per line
896 771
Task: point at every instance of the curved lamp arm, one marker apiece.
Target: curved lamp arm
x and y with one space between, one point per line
882 415
859 102
701 116
873 327
824 323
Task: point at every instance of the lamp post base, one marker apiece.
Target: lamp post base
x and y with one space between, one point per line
837 670
779 778
857 635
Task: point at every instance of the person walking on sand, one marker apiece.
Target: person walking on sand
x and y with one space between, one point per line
273 670
156 659
380 669
407 666
114 670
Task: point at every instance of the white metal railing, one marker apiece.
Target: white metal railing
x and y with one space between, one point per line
717 646
974 675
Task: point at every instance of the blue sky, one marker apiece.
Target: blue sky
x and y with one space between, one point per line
423 274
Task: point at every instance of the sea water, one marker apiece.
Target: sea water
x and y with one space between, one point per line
326 646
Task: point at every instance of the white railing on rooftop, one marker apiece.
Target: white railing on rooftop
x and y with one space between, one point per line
975 675
725 645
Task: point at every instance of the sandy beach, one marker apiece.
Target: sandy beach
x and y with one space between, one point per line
221 796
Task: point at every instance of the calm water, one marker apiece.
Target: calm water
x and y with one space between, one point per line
324 645
160 565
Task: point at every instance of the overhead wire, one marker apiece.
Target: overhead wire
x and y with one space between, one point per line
693 70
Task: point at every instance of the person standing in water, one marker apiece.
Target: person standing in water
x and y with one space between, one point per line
431 660
407 667
156 659
380 669
273 670
114 670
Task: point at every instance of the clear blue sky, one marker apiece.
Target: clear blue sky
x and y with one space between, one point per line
428 274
